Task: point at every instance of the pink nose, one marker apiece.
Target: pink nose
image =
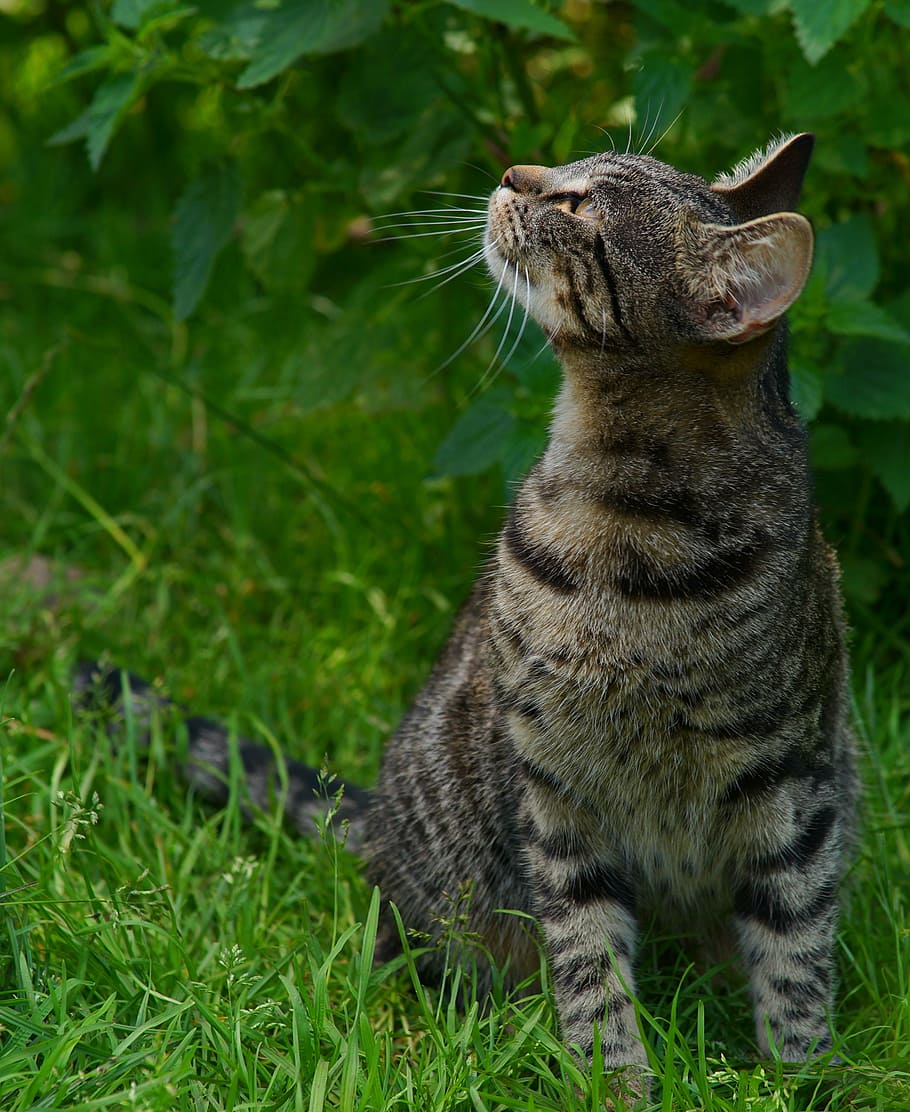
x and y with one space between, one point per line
523 179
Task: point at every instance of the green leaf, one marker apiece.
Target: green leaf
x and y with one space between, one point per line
302 27
899 11
132 13
862 579
830 448
752 7
847 255
521 14
524 444
821 23
108 107
86 61
378 109
885 446
234 38
203 222
864 318
478 437
75 129
844 153
278 240
824 90
661 86
806 388
875 383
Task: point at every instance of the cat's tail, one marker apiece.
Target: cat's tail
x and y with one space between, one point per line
308 795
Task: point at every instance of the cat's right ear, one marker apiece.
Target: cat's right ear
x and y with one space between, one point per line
743 279
769 181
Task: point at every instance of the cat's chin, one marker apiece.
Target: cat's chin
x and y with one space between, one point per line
537 297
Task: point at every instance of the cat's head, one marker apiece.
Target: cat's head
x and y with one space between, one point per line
624 254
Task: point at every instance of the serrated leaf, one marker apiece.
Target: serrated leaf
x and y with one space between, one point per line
865 318
661 87
302 27
899 11
478 437
203 222
75 129
86 61
845 153
278 240
234 38
818 92
821 23
885 446
524 444
830 448
108 107
752 7
132 13
875 383
861 578
847 255
806 389
521 14
535 365
378 109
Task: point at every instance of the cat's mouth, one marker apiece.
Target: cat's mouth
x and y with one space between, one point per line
505 247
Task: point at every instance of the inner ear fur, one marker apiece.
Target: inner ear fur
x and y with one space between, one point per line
743 279
769 181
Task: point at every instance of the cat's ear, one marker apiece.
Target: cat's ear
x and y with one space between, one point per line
769 181
743 279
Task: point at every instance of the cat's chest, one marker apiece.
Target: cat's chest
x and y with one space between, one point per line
614 705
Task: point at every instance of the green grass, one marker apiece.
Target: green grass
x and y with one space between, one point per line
293 568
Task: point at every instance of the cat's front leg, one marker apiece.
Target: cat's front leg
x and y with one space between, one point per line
585 904
786 915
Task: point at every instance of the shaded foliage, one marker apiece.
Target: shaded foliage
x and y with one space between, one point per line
245 153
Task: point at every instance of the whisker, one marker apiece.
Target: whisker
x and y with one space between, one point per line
440 210
466 263
423 235
657 142
524 322
455 225
481 328
467 196
642 138
505 333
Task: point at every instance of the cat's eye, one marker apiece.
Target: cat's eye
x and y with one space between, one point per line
577 204
587 209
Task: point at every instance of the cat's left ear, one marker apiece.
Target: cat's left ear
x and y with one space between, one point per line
769 181
743 279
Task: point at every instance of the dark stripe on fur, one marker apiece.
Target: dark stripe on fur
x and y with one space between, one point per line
801 851
600 255
543 778
768 775
601 882
642 578
678 506
544 566
756 903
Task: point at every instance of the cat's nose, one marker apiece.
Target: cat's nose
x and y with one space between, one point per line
523 179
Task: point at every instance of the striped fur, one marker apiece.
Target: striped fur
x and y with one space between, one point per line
643 706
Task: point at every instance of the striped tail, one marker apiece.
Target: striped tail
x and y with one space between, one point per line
310 795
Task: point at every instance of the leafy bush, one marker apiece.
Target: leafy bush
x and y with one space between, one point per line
266 140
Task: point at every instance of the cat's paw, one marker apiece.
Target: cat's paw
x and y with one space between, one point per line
628 1089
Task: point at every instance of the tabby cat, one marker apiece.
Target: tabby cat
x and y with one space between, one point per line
643 705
